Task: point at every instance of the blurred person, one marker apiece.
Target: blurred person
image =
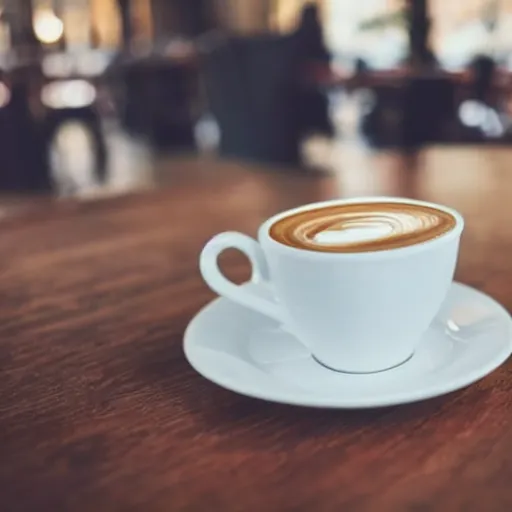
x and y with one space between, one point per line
310 32
313 103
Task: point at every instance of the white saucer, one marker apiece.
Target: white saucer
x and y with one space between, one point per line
248 353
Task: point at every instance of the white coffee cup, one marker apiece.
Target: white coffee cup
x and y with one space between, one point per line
356 312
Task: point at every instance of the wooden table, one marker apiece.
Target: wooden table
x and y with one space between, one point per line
99 411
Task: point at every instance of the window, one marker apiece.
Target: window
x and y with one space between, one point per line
382 46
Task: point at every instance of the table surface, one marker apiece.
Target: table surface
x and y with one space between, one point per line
321 75
99 411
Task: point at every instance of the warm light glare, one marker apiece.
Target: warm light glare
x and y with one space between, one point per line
69 94
48 27
5 95
472 113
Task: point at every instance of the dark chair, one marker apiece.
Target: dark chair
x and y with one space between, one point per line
483 68
131 86
23 158
155 98
252 89
171 110
381 119
313 107
429 109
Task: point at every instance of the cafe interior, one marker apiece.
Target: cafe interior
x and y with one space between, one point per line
107 96
134 131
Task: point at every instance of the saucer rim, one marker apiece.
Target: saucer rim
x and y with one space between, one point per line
305 399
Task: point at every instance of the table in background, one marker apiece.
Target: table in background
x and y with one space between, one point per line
324 76
100 411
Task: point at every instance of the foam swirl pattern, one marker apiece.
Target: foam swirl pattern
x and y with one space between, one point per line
362 227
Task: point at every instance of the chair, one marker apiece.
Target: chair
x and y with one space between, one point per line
252 88
155 97
23 154
429 109
170 107
483 68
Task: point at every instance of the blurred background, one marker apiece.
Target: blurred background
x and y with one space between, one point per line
107 96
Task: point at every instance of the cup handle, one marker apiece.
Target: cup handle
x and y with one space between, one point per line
226 288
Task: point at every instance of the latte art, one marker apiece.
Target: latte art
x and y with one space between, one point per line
362 227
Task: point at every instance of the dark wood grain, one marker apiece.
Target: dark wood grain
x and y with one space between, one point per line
99 411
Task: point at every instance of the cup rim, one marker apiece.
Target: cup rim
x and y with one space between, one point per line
265 238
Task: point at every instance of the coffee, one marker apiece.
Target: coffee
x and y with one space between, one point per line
360 312
362 227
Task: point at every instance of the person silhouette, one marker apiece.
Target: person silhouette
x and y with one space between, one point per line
310 33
